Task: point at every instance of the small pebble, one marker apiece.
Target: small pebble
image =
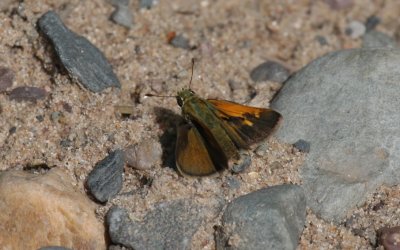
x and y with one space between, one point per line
270 71
302 146
6 78
321 40
147 4
12 130
179 41
261 150
31 94
122 14
242 164
40 118
355 29
105 180
372 22
65 143
232 182
143 155
55 116
81 59
390 238
124 110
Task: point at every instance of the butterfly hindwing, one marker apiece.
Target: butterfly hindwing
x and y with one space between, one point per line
194 155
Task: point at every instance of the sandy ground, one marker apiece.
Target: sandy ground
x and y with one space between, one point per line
231 38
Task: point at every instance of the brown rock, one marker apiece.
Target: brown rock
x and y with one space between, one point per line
143 155
6 78
45 210
390 238
31 94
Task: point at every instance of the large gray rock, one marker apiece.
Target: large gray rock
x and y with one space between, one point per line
346 104
270 218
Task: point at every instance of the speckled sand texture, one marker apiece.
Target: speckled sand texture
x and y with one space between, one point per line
230 39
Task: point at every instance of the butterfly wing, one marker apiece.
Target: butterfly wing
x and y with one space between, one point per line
244 124
196 156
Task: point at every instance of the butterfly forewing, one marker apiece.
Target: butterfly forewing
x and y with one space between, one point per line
245 125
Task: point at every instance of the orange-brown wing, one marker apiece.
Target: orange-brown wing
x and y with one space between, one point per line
194 156
244 124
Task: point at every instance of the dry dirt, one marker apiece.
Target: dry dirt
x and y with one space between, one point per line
231 38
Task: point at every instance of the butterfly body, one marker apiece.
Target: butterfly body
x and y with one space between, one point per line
215 131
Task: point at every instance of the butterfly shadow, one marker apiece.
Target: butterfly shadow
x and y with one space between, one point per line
168 121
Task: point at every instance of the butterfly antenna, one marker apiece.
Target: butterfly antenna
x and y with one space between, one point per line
191 77
153 95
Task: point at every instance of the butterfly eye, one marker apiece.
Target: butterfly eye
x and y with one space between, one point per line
179 101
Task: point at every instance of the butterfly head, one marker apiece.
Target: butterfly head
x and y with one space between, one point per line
183 96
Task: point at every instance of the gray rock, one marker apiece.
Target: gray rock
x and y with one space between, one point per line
122 14
302 145
270 218
147 4
169 226
346 105
30 94
376 39
271 71
179 41
372 22
105 180
81 59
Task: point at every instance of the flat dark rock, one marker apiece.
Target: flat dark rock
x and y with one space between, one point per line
31 94
81 59
105 180
170 225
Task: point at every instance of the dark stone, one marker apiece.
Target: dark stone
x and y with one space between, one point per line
302 145
321 40
169 226
270 218
31 94
270 71
372 22
105 180
40 118
6 78
146 4
81 59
